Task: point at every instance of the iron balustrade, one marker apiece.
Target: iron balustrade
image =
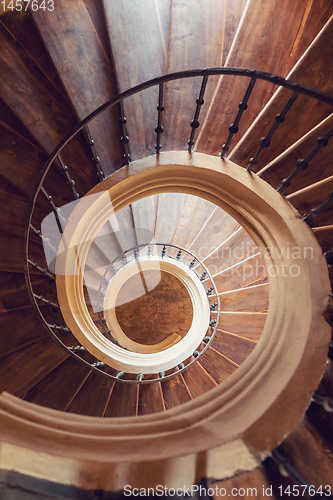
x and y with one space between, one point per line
251 74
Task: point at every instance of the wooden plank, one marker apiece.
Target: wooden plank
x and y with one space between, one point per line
93 396
218 366
145 46
235 348
197 380
195 214
254 46
313 69
16 330
319 167
14 290
169 210
235 248
21 27
24 369
250 299
150 399
175 392
196 40
123 400
70 37
324 236
305 443
144 216
16 152
244 324
40 107
246 272
313 196
316 15
60 386
218 227
14 261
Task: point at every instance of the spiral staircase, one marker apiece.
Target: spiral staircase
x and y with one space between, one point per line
199 187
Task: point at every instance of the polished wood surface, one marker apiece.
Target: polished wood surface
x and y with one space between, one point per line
254 47
60 386
87 86
164 309
319 167
313 69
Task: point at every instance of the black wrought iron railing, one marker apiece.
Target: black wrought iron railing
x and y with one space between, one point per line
33 231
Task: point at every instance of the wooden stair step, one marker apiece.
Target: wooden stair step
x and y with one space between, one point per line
175 391
60 386
16 331
324 235
216 230
122 225
310 454
311 197
17 151
235 248
240 275
123 401
248 325
311 110
195 28
144 218
23 30
235 348
193 217
197 380
93 396
30 94
23 369
319 167
217 365
150 398
170 207
14 290
316 15
13 244
249 299
254 47
146 49
70 37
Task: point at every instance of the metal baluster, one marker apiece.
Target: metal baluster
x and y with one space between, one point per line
70 181
95 158
45 240
265 142
62 328
61 221
124 138
303 163
287 469
159 128
42 270
195 123
314 212
233 128
325 402
47 301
